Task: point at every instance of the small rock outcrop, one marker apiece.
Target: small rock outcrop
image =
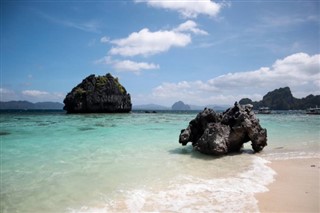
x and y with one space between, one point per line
98 94
221 133
180 106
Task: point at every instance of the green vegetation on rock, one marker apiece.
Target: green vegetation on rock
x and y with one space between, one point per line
101 81
120 87
79 91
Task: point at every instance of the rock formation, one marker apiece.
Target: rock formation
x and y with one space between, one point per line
180 106
221 133
282 99
98 94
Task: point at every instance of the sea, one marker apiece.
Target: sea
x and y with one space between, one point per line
52 161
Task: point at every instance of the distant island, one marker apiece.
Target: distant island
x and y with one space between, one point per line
26 105
180 106
282 99
279 99
192 107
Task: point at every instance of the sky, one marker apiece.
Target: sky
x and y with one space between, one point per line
201 52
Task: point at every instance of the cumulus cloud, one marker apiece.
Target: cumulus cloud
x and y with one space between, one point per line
190 26
128 65
301 72
148 43
297 69
188 9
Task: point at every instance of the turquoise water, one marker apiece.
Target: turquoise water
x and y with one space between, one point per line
54 162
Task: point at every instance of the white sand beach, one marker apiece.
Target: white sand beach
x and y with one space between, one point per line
295 189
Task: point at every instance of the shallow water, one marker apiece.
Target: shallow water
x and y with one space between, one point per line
54 162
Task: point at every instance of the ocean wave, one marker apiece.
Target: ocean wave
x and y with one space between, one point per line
194 194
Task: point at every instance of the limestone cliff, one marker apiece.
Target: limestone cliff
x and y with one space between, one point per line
98 94
282 99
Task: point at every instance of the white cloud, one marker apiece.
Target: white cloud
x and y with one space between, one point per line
187 8
128 65
7 94
34 93
5 91
104 39
297 69
30 95
190 26
301 72
148 43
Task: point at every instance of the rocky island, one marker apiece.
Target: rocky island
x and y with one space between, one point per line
101 94
180 106
221 133
282 99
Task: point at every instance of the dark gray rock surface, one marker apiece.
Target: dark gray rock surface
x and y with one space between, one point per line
98 94
221 133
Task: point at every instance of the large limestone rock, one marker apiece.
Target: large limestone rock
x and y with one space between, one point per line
98 94
221 133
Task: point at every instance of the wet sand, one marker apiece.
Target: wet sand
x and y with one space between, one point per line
295 189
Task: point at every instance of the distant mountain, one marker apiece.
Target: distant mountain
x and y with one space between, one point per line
180 106
282 99
192 107
28 105
48 105
150 107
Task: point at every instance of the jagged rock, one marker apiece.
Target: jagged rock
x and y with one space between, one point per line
221 133
98 94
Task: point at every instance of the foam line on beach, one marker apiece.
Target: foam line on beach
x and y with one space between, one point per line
194 194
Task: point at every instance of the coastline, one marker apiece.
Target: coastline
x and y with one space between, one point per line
295 189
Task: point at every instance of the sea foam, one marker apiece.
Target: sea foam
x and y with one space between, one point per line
194 194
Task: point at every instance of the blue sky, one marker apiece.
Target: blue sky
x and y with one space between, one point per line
201 52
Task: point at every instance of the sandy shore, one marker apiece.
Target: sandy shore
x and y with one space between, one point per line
295 189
